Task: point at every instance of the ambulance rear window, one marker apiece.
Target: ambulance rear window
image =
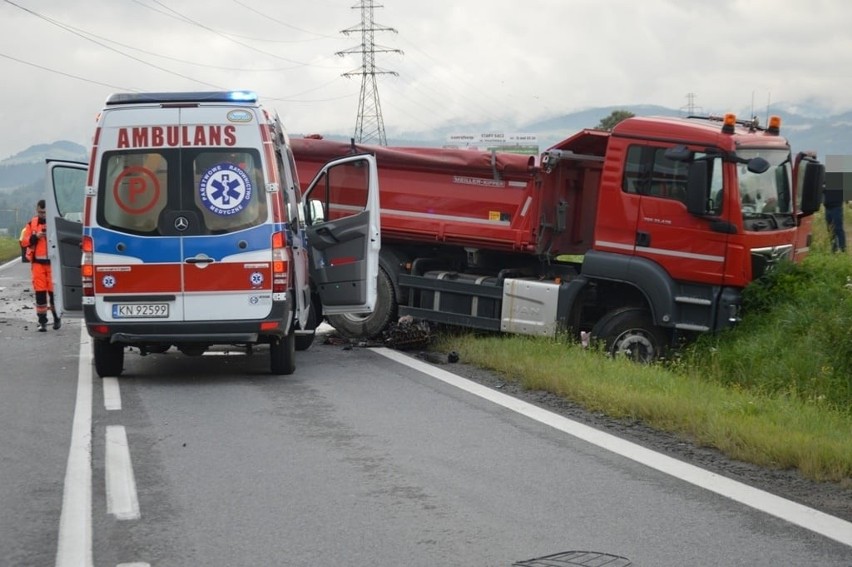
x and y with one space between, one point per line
134 190
216 190
229 189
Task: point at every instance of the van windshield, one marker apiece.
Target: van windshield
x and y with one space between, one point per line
218 190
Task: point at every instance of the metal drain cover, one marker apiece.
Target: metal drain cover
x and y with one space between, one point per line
583 558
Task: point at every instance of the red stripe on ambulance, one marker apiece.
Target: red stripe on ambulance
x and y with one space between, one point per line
227 277
138 278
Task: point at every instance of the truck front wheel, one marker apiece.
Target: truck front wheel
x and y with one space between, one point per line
369 325
109 357
631 332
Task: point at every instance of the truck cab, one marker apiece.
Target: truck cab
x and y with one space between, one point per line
689 213
188 228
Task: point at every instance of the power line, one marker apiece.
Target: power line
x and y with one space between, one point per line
71 30
369 124
66 74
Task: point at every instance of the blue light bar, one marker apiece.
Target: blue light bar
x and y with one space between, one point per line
181 97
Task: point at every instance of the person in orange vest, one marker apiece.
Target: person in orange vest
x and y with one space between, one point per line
23 248
34 238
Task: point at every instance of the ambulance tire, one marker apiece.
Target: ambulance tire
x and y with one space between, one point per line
282 355
304 342
372 324
109 358
631 332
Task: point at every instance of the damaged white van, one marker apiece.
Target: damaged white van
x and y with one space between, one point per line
188 229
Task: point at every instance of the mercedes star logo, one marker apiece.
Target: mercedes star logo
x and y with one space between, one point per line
181 223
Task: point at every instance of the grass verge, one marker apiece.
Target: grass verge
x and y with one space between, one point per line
772 430
9 249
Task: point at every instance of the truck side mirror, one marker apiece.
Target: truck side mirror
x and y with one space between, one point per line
697 188
813 182
757 165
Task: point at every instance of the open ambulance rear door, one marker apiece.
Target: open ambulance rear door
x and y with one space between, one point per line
64 197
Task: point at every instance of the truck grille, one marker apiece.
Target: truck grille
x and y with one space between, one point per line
764 260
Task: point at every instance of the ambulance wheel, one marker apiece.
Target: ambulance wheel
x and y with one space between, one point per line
631 332
109 358
282 354
369 325
304 342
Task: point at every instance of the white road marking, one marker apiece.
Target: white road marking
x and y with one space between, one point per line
112 394
139 564
75 522
808 518
122 501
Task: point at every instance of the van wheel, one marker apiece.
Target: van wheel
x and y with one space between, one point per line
109 358
369 325
631 332
282 354
304 342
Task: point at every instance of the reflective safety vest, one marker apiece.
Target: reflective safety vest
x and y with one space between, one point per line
36 247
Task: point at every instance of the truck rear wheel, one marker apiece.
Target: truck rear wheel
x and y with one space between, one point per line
109 357
369 325
282 354
631 332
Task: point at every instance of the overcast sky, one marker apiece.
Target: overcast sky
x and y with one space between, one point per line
502 61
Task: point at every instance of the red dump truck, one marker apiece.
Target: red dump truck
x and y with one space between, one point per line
639 236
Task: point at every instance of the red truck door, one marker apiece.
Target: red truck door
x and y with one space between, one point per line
654 188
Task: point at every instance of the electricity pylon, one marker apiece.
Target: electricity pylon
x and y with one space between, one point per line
369 125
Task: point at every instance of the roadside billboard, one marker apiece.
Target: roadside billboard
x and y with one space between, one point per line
516 143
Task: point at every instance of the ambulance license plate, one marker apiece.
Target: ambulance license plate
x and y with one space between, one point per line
140 310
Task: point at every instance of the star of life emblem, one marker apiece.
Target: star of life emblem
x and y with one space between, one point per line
225 189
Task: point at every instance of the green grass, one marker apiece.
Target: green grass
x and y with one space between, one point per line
9 249
773 430
775 391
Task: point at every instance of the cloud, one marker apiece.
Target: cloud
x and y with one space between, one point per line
478 60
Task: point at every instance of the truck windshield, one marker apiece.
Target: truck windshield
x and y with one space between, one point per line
764 195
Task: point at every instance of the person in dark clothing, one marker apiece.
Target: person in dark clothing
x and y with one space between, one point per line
833 202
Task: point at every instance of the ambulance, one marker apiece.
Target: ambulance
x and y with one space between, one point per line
187 229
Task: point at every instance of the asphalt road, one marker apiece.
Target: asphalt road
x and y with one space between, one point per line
356 459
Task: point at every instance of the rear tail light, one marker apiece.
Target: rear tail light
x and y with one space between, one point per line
87 268
99 330
280 263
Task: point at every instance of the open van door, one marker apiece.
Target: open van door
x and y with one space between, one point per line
64 196
342 217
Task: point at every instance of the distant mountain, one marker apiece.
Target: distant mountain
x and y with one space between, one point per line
22 181
807 126
27 167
